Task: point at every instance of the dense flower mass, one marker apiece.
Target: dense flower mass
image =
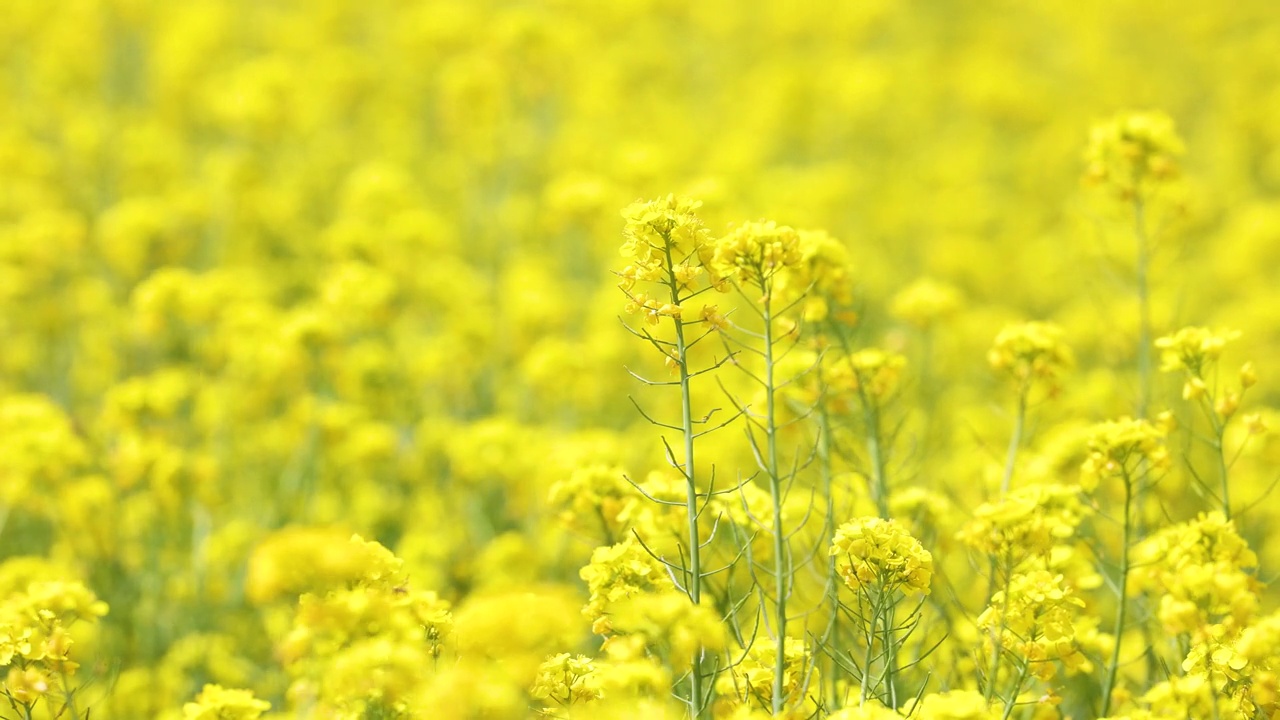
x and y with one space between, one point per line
218 703
872 551
461 359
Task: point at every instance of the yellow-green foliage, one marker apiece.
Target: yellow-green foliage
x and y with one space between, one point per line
639 359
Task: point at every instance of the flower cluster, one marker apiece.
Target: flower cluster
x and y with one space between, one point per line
1203 572
925 302
615 573
1027 525
670 624
218 703
1124 449
1033 618
1031 352
1193 348
751 680
566 679
667 244
1132 153
593 497
875 372
1194 352
366 645
36 638
880 553
753 253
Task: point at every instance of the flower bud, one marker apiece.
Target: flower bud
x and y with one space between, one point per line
1248 375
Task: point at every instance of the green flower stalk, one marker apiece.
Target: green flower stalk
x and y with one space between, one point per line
1194 352
881 563
1128 451
669 248
1134 155
753 257
1033 355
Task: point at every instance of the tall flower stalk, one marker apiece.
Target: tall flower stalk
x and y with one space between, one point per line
1033 355
1125 452
754 257
1194 352
670 250
1134 156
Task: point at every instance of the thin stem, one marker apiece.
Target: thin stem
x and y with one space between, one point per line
1144 306
833 581
866 663
1219 426
1220 429
1144 369
1015 441
1017 688
775 491
69 703
1114 668
997 642
889 656
697 708
875 450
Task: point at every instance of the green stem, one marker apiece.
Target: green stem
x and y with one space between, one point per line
1017 688
1222 469
697 707
871 641
1015 441
997 643
1219 426
833 579
780 574
890 658
1144 307
69 703
875 450
1144 369
1113 668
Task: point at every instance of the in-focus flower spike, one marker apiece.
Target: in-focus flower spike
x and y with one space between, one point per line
872 550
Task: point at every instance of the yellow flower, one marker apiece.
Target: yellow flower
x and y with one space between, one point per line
617 572
925 302
671 623
27 685
750 680
1031 352
566 679
1203 568
218 703
875 372
953 705
1034 618
755 252
880 553
1028 523
1193 348
1132 153
1118 448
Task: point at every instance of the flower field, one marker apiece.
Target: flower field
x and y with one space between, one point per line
499 359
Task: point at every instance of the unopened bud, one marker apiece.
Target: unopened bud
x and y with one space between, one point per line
1248 375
